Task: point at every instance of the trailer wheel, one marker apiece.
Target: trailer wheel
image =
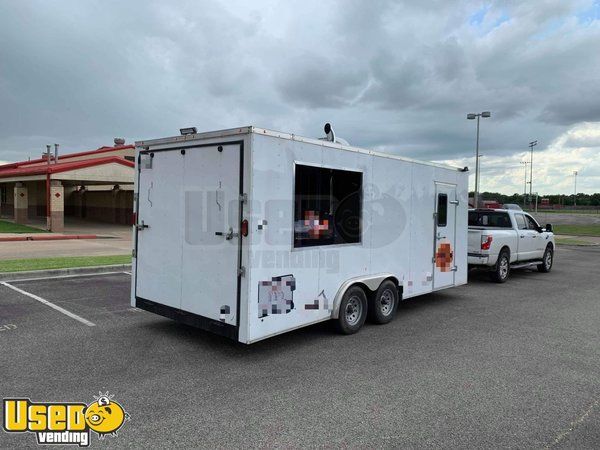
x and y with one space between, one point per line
500 272
548 259
353 311
383 305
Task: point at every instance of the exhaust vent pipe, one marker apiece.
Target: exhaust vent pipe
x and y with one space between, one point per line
55 153
119 141
331 137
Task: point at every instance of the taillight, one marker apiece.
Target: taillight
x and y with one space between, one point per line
486 242
244 228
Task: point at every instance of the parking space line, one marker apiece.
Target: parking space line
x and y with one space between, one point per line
67 276
50 304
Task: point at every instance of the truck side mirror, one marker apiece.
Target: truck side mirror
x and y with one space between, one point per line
549 227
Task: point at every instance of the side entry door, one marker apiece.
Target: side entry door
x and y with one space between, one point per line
444 265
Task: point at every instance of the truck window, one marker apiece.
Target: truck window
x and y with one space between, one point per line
521 225
442 210
327 206
531 223
489 219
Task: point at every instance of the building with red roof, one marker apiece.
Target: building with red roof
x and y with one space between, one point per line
94 185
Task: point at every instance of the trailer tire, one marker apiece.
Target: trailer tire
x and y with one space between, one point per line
548 259
384 303
353 311
501 270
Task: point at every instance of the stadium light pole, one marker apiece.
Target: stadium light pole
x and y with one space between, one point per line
472 116
531 145
525 184
575 189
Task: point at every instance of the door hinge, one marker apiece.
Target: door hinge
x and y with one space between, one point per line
433 259
454 202
242 271
244 198
141 226
136 196
454 269
133 253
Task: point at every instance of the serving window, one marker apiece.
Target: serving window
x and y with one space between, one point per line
327 206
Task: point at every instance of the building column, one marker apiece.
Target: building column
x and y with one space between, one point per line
21 203
57 205
115 203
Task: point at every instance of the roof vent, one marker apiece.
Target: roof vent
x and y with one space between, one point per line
119 141
331 137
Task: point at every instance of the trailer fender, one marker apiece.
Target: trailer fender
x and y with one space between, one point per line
372 282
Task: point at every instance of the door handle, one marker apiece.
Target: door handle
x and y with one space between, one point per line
141 226
229 235
439 236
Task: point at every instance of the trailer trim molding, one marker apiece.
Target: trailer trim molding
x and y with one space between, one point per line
188 318
174 140
371 281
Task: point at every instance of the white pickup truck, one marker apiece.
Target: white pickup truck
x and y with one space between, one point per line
505 239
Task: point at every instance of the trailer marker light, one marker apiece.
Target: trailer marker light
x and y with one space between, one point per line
486 242
186 131
244 228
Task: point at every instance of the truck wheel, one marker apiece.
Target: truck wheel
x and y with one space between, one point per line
500 272
353 311
547 260
383 305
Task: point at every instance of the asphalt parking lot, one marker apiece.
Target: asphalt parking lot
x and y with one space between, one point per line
484 365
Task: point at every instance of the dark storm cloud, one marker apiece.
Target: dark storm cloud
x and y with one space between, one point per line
398 76
581 103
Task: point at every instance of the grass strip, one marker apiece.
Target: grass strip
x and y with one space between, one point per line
20 265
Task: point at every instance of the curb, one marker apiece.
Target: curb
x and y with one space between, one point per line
42 237
92 270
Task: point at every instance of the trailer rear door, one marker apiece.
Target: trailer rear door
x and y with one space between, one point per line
160 228
212 241
188 256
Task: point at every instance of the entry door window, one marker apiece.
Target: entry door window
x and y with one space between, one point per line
442 210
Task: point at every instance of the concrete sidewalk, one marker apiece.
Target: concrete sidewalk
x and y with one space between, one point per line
76 247
117 242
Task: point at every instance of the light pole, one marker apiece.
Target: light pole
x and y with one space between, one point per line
472 116
531 145
575 189
525 184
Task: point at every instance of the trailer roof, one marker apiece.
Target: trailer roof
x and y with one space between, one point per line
278 134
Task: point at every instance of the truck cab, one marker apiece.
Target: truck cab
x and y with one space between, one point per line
505 239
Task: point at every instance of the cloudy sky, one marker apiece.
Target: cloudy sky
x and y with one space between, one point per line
397 76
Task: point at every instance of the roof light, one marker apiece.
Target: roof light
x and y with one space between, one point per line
189 130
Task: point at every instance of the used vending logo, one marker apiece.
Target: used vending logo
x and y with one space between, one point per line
64 423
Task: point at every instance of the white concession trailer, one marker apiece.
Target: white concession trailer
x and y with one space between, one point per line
249 233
